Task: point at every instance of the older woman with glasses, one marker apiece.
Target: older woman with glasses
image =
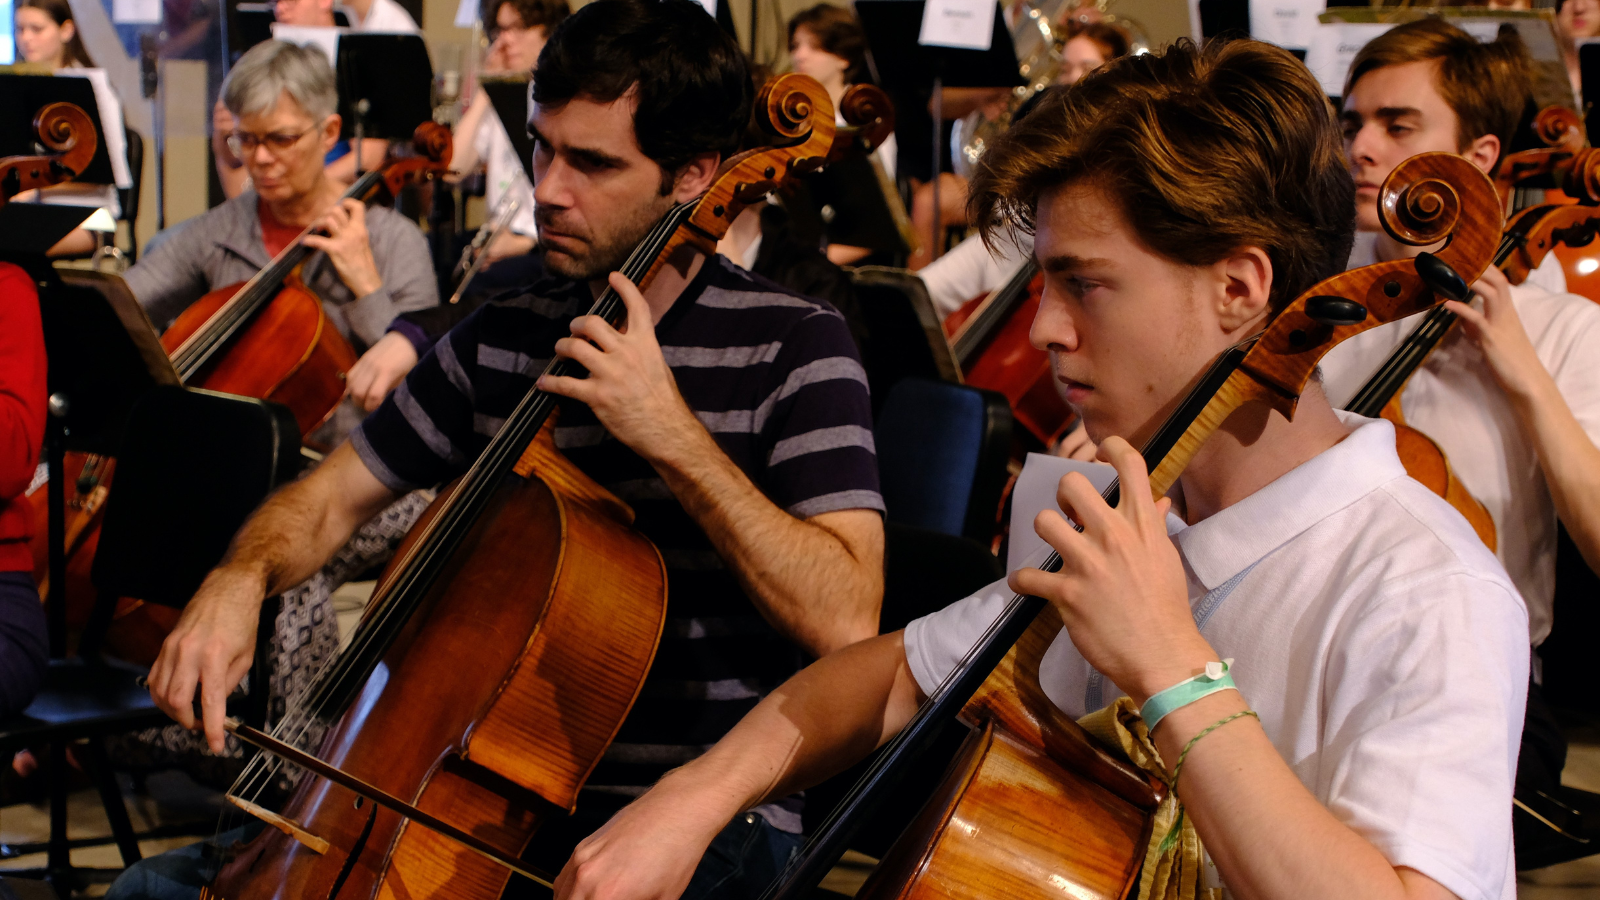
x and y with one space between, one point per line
373 263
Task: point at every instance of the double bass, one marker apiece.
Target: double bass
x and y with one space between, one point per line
432 776
270 338
1033 807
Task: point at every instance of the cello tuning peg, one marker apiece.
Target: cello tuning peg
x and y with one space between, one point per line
1439 276
1335 310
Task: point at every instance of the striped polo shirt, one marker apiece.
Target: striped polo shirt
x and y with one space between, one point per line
773 376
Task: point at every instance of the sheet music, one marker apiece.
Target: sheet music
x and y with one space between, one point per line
1036 492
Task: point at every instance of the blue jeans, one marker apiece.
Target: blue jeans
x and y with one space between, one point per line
741 861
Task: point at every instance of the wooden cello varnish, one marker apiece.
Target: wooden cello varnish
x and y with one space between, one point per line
551 580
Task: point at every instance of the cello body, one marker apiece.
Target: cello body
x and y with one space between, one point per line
290 353
1006 361
1032 807
493 705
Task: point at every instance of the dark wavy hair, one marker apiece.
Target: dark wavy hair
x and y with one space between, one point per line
1207 151
691 79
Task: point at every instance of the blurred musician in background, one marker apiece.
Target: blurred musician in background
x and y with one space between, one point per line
371 15
24 645
47 35
373 264
1512 393
518 30
826 42
1575 21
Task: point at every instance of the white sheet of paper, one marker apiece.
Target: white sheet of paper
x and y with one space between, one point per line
1287 23
466 13
1036 492
136 12
1334 46
965 24
323 38
1485 30
711 7
111 127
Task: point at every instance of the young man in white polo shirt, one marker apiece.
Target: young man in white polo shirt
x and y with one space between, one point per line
1512 394
1177 199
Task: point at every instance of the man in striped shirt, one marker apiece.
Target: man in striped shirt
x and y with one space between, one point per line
738 427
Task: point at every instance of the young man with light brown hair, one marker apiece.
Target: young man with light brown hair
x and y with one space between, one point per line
1177 200
1512 393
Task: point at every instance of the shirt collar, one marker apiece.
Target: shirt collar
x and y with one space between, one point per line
1228 542
240 230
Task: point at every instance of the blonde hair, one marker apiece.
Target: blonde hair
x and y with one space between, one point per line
1207 151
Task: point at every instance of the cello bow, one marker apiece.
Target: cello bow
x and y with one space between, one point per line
1433 196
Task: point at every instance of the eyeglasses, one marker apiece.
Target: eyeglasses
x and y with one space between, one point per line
493 32
244 143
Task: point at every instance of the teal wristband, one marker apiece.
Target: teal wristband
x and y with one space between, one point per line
1215 678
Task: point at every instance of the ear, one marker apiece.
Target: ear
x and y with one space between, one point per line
330 131
1483 152
1246 288
68 31
695 176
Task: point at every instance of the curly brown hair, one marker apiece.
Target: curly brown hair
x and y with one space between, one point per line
1207 151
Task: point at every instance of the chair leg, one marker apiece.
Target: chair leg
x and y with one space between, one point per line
58 858
111 798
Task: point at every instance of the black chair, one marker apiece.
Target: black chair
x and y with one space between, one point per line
942 454
904 337
190 468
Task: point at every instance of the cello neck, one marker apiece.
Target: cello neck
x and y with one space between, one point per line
220 330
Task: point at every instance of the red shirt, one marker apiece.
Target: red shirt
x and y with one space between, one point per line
22 405
274 234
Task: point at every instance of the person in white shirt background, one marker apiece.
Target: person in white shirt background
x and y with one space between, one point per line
518 31
1381 644
1512 393
366 15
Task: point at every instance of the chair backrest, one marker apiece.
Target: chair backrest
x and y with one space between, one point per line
905 338
942 451
191 466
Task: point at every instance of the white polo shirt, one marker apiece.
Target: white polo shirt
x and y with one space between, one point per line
1454 399
1383 646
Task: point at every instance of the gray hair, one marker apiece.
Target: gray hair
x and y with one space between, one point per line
273 68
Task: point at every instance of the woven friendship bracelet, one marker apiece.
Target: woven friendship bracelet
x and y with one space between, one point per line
1178 769
1215 678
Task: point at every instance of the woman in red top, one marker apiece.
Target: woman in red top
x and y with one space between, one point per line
24 648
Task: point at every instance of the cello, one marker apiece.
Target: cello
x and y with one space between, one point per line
1528 237
989 336
270 338
1028 774
527 568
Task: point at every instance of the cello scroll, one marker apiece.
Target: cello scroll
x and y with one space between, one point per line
66 131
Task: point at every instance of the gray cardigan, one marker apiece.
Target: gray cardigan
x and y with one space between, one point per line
224 246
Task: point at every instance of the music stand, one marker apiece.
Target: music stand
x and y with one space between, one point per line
508 94
391 74
103 356
893 29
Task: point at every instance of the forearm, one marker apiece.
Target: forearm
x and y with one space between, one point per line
804 578
1267 834
818 723
299 528
1568 459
